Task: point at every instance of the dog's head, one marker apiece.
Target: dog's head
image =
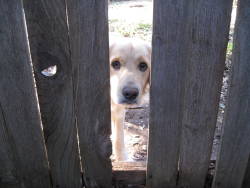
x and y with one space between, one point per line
130 63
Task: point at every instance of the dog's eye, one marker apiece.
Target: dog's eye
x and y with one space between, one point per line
143 66
116 65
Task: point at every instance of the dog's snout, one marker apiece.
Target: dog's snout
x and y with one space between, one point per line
130 93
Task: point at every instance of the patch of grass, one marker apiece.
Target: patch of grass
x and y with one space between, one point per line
144 26
139 30
113 21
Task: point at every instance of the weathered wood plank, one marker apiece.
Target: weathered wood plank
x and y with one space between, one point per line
166 92
129 178
185 49
123 166
129 173
89 28
207 36
235 146
49 42
23 161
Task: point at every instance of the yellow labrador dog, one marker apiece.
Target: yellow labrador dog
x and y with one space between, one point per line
130 61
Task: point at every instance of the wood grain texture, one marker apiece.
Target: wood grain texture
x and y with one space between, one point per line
129 173
129 178
168 64
235 147
23 162
207 36
89 39
189 44
50 45
126 165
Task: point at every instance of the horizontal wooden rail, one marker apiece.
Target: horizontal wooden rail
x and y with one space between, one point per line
129 173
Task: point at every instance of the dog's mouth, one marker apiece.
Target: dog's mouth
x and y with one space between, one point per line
129 102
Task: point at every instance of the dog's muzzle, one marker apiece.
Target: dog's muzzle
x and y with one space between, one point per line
130 94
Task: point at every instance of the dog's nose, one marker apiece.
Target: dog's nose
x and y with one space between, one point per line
130 93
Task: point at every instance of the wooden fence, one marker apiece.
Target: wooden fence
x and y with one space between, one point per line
189 49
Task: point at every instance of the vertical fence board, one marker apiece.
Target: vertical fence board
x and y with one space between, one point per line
23 160
49 42
89 32
186 49
235 146
166 93
207 37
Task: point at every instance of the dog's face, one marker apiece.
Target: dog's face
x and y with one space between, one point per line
130 62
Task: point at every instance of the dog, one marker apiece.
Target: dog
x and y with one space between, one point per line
130 64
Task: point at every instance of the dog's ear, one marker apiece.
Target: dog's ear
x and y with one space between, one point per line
149 49
114 38
148 55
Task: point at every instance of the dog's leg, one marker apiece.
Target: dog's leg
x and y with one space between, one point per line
119 150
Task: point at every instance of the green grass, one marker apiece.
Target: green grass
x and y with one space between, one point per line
144 26
229 48
139 30
111 21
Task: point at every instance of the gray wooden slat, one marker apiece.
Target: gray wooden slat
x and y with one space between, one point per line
185 49
207 36
23 162
235 146
129 173
168 63
89 32
50 45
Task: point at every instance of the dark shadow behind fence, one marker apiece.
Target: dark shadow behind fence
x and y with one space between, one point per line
189 48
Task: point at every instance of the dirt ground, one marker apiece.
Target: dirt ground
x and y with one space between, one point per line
133 18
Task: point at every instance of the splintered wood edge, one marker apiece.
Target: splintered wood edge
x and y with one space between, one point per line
129 173
128 166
